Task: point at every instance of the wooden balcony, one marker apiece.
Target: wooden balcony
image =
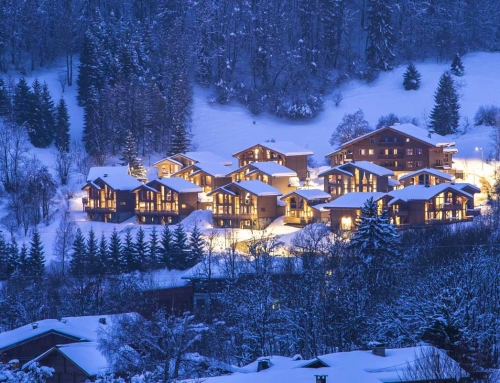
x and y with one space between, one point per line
150 212
400 213
449 206
235 216
89 209
297 220
390 156
448 221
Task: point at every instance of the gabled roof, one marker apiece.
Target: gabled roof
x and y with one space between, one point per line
432 171
121 182
203 157
180 185
424 192
147 187
100 171
166 159
410 130
272 169
368 166
85 355
469 188
83 328
285 148
212 169
258 188
355 200
309 194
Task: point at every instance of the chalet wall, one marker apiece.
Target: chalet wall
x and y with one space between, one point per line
65 370
297 164
190 200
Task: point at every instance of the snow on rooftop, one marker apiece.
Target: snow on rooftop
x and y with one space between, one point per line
85 355
205 157
166 159
215 169
392 182
283 147
259 188
99 171
309 194
423 192
81 328
369 167
273 169
124 182
180 185
337 169
432 171
355 200
413 131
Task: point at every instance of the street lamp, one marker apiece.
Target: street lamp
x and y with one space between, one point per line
482 158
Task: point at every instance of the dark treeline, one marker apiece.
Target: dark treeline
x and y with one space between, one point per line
140 58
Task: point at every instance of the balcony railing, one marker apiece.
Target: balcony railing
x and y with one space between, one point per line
89 209
400 213
390 156
297 220
435 221
449 206
155 212
235 216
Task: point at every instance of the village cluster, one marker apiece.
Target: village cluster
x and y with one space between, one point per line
404 168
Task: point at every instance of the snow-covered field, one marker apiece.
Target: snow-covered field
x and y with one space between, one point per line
227 129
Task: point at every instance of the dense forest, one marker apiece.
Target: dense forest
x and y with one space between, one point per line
140 58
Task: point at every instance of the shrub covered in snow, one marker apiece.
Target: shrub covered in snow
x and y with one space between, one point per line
488 115
352 126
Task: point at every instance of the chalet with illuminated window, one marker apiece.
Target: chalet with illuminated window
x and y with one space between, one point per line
173 164
208 176
165 200
245 205
271 173
304 206
284 153
400 148
109 198
427 176
345 209
357 176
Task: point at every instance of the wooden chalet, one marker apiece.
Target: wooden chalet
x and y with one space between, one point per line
165 200
245 205
304 206
356 176
401 148
345 210
271 173
107 171
419 205
109 198
173 164
284 153
167 166
208 176
427 176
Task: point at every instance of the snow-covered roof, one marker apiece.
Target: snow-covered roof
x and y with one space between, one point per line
355 200
180 185
434 172
222 189
204 157
309 194
335 169
99 171
125 182
85 355
319 207
424 192
166 159
469 188
258 188
83 328
409 130
214 169
147 187
273 169
369 167
285 148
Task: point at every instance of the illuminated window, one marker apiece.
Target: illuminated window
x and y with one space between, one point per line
409 164
346 223
371 152
183 205
362 152
407 139
419 151
409 152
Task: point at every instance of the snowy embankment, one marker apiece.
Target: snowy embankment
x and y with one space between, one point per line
226 129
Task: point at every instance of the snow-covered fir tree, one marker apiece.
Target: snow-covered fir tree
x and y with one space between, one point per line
78 262
154 250
5 102
411 78
197 247
180 252
445 117
62 125
114 262
36 258
128 253
167 248
22 102
129 156
141 248
457 67
380 38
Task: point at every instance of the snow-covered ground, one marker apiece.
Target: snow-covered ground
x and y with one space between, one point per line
227 129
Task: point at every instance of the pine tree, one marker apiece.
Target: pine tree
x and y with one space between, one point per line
36 260
167 247
61 136
36 130
115 265
411 78
141 250
444 117
4 258
92 252
128 253
14 261
78 263
22 102
457 67
48 114
5 104
180 253
154 249
197 245
103 255
130 157
23 260
89 75
380 39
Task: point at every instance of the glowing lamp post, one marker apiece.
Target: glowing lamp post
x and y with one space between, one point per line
482 158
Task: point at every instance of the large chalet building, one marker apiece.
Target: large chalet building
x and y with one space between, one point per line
400 148
284 153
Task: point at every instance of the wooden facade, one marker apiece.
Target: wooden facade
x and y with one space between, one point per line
107 203
158 203
167 167
395 150
424 177
305 206
250 172
238 206
65 370
296 161
353 177
203 176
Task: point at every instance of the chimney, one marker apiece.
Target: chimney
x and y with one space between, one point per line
34 325
105 175
263 364
378 349
102 320
320 378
